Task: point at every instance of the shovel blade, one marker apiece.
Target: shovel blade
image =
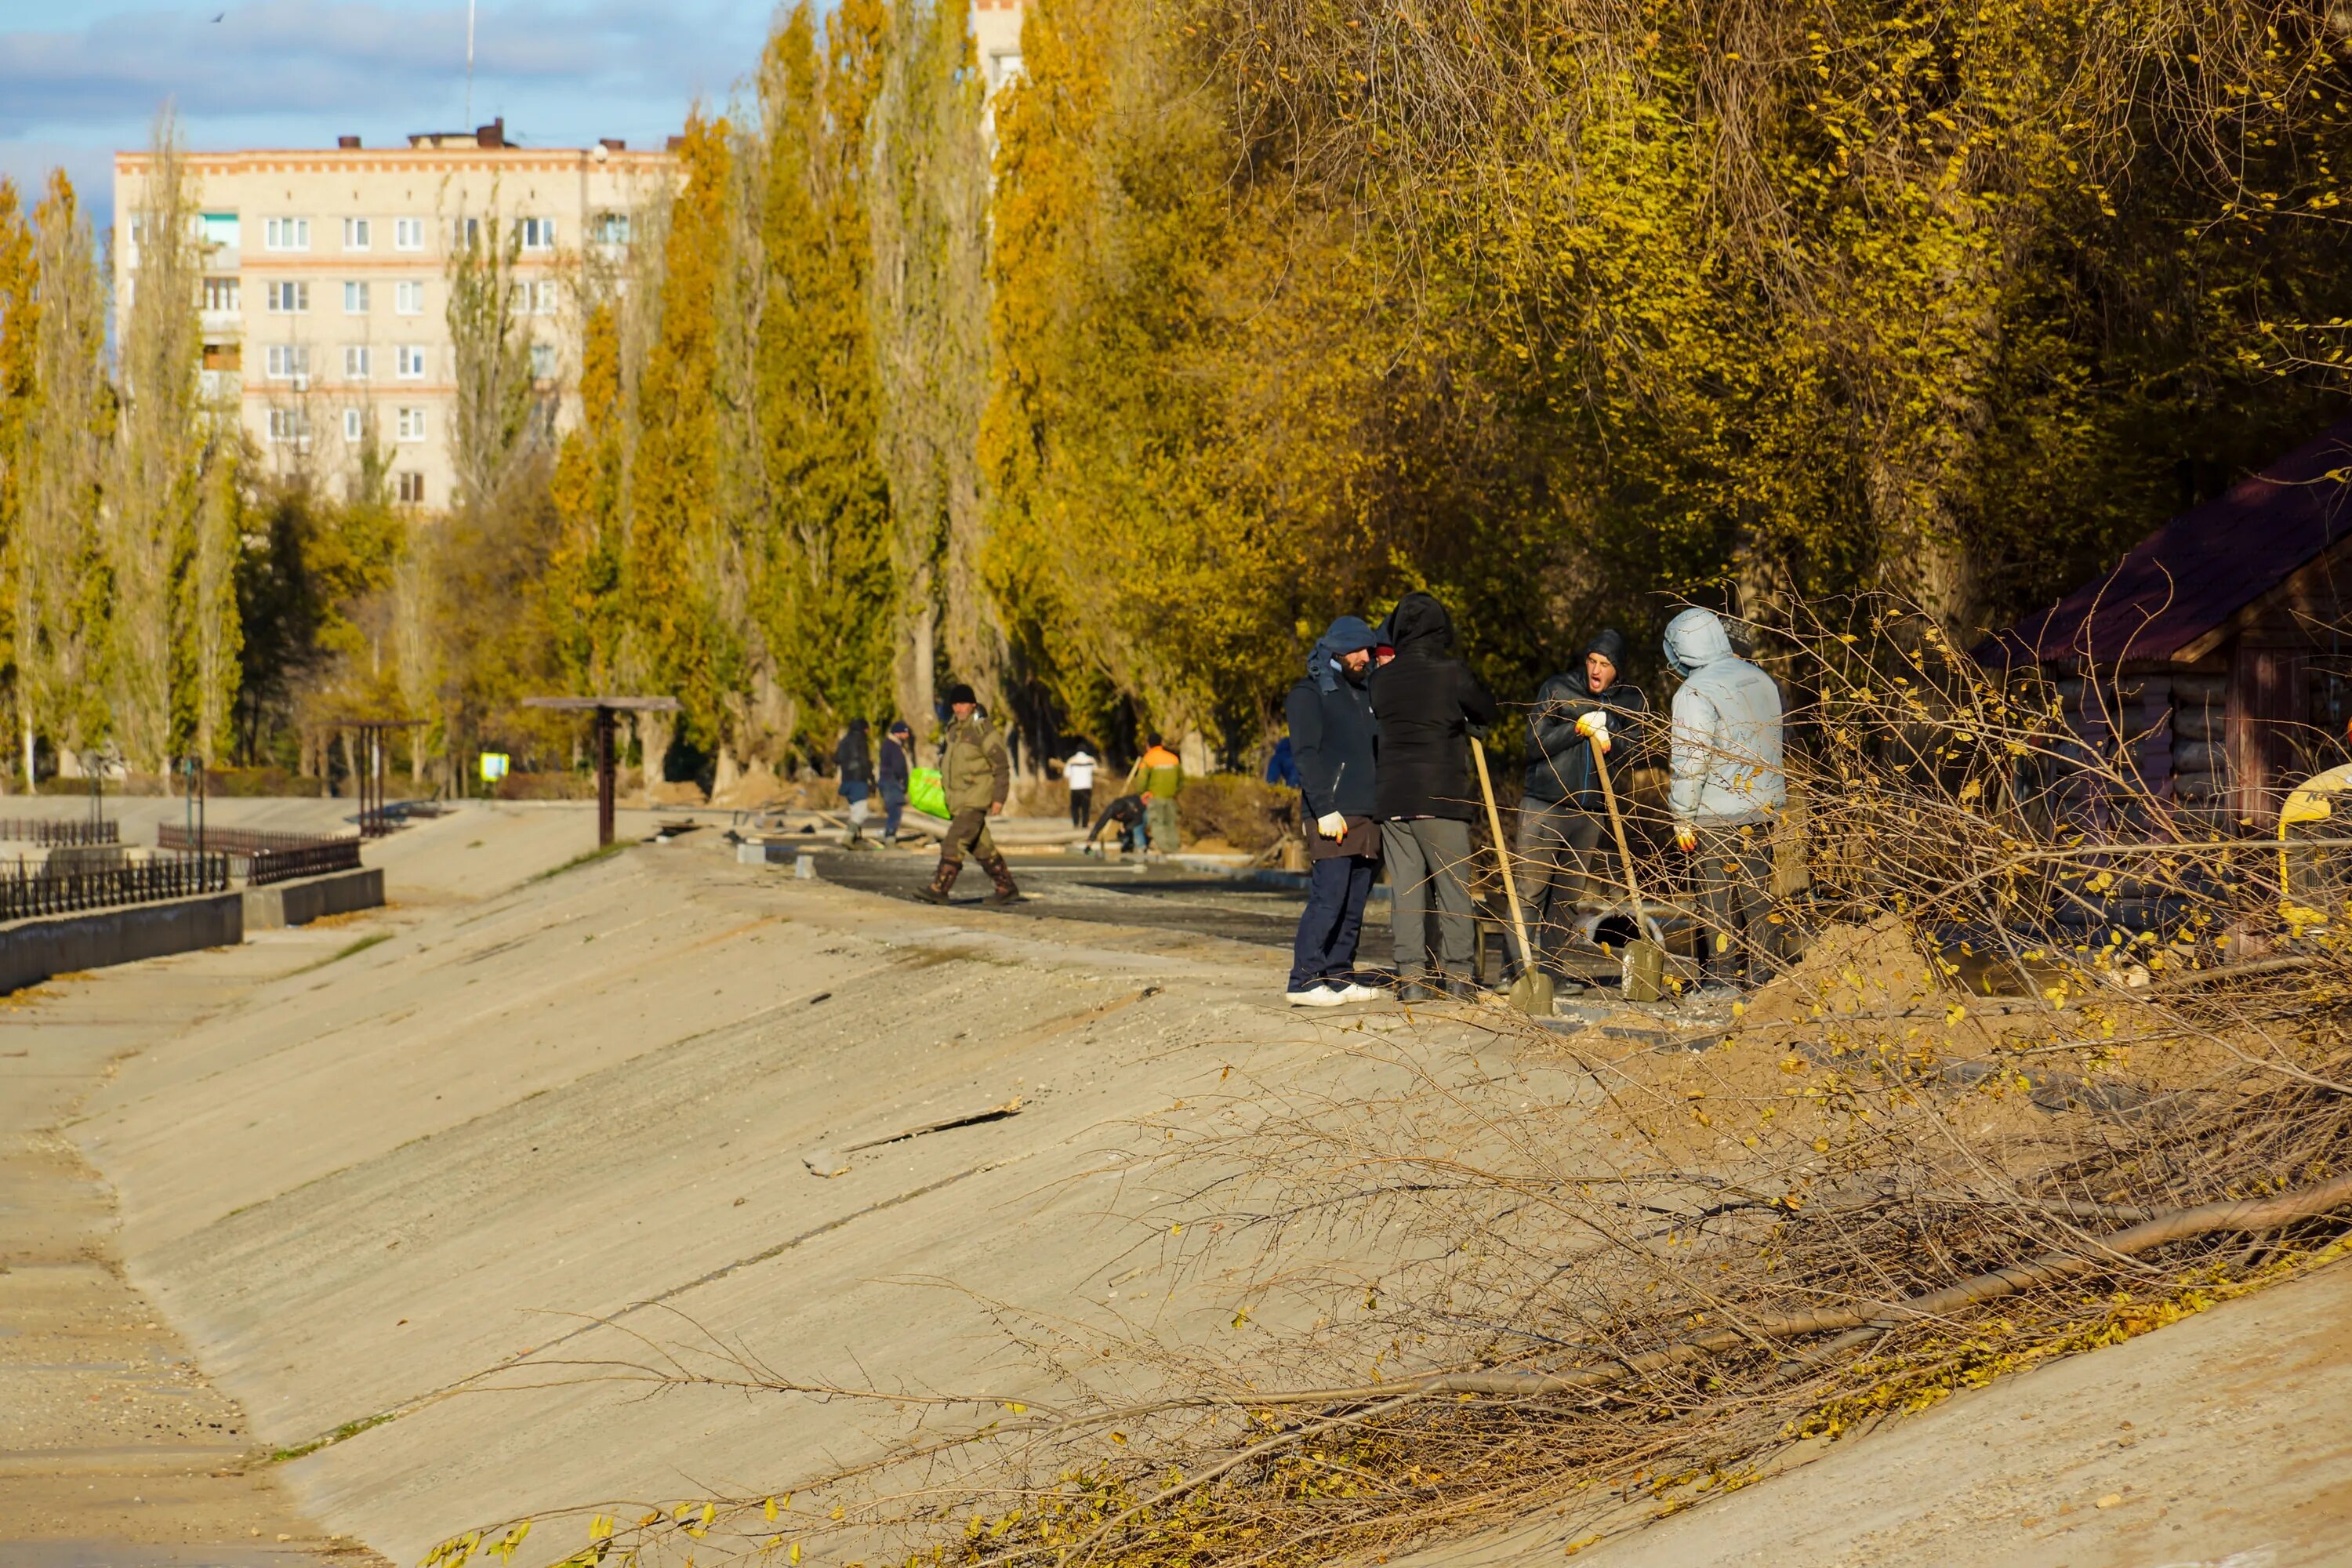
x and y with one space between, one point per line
1532 993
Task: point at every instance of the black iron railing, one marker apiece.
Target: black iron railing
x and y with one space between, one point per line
266 857
244 843
26 890
58 832
315 859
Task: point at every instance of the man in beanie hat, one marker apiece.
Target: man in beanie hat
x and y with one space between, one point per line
1331 731
1562 816
976 776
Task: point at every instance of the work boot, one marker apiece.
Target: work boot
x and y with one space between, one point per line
1427 988
941 880
1002 875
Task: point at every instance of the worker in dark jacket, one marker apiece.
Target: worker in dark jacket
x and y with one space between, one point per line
1562 817
853 764
1129 811
1332 739
1428 703
897 770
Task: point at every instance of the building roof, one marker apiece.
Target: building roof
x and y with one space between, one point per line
2187 580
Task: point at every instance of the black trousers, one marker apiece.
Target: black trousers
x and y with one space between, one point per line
1082 805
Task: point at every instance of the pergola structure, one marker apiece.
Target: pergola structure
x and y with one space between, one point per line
371 732
603 707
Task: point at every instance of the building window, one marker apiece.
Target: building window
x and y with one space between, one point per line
288 427
221 229
408 299
359 362
355 426
220 294
355 299
611 229
289 362
542 361
408 234
285 234
466 232
288 299
409 362
412 425
409 488
548 296
537 233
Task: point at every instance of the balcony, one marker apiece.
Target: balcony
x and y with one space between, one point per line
220 386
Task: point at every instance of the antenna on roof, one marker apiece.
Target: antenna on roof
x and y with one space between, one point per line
469 61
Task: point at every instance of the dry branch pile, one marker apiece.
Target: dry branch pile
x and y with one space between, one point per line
2041 1099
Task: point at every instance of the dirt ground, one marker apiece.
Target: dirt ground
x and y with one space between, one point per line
417 1212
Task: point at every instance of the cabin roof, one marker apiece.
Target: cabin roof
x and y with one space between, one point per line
2187 580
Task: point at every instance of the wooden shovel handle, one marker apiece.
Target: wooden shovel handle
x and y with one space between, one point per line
1502 855
1617 827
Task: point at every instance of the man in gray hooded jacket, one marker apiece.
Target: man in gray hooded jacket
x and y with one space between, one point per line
1728 788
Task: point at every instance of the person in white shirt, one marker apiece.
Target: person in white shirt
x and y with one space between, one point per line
1079 773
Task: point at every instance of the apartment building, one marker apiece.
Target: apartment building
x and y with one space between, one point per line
326 278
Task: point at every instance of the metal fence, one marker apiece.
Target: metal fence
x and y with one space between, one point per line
26 890
315 859
52 833
268 857
242 842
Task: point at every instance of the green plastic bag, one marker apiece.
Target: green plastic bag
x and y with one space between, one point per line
924 793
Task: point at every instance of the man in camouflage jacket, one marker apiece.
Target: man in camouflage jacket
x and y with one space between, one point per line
975 775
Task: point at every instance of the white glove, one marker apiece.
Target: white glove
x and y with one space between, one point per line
1595 727
1331 825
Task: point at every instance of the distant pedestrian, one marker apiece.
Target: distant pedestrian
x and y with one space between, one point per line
853 764
1428 703
976 776
1331 740
1159 774
1282 767
1728 788
1562 817
1079 773
897 769
1129 811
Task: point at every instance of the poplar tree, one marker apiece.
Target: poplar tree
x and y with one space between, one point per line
827 616
149 522
930 304
675 501
63 589
18 308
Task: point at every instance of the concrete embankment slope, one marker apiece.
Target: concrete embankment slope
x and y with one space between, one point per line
458 1149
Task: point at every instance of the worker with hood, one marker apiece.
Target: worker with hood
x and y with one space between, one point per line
1331 745
1728 790
853 763
1579 713
1428 703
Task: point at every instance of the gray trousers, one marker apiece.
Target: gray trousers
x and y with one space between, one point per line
1428 859
1559 862
1733 869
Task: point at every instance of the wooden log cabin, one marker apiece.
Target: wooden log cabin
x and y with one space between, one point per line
2216 658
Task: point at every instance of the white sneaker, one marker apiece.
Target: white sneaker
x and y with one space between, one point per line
1314 996
1355 992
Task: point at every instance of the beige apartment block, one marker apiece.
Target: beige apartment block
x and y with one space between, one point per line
326 283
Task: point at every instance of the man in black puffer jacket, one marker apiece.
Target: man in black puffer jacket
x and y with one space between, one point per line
1561 814
1428 702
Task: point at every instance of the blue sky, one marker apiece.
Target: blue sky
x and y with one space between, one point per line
81 80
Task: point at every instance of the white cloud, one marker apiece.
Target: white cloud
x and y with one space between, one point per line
346 60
